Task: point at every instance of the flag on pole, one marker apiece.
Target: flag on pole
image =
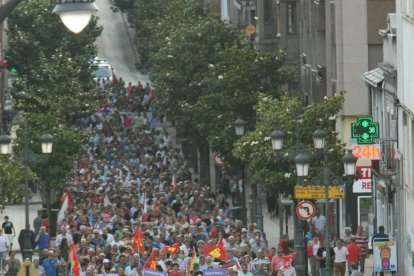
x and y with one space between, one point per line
75 267
216 251
66 205
151 262
138 243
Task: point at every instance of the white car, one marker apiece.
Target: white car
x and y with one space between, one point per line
103 71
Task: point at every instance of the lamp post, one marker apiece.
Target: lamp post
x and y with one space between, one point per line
74 14
302 161
6 148
349 165
239 125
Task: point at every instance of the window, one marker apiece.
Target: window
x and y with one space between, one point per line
291 17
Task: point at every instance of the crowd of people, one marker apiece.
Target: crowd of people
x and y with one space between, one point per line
130 179
133 200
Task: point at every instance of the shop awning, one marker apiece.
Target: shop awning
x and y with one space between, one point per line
374 77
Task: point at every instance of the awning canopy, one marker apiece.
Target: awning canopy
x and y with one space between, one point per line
374 77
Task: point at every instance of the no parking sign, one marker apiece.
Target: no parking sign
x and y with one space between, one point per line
305 210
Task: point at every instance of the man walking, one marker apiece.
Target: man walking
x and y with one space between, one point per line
341 254
9 230
4 247
362 240
42 240
26 241
354 252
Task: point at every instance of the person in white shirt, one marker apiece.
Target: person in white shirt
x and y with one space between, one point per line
4 248
319 220
63 234
341 253
39 269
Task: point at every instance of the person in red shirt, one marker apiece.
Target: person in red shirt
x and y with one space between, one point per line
283 243
353 253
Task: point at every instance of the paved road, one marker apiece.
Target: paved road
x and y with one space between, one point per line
114 44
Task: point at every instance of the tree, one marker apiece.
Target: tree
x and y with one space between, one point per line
277 169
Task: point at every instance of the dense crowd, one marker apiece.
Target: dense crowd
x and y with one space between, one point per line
130 179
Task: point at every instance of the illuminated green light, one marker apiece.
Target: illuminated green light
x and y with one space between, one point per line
365 130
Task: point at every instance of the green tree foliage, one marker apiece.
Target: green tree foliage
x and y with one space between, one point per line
54 86
12 181
277 169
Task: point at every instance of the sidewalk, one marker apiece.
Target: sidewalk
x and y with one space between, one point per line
272 230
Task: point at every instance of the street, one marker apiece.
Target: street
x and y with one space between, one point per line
114 44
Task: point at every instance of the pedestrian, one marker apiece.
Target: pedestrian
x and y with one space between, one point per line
4 247
13 264
39 269
277 261
354 252
312 250
340 256
346 237
354 270
362 240
43 241
319 221
284 244
37 222
321 257
9 230
51 264
26 235
244 270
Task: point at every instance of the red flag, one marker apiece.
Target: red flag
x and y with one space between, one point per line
75 261
137 243
216 251
171 249
151 262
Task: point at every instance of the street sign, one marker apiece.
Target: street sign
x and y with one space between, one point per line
365 130
314 192
305 210
364 183
250 29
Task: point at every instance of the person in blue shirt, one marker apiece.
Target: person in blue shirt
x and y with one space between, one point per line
51 264
42 240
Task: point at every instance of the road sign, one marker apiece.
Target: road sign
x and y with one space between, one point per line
314 192
305 210
250 29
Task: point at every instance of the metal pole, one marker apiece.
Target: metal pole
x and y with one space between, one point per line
299 239
27 249
259 206
326 184
243 197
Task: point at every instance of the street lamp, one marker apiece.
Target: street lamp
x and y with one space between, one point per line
239 125
5 148
302 161
75 14
349 166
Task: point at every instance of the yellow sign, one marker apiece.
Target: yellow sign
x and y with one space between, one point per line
250 29
316 192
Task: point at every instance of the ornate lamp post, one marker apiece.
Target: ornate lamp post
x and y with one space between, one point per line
239 125
6 148
302 161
